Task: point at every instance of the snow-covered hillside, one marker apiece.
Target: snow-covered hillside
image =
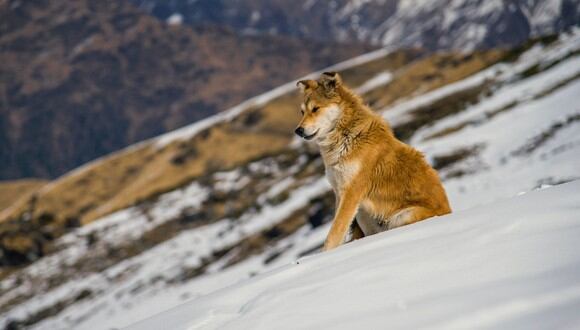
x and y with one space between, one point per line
513 264
433 24
521 132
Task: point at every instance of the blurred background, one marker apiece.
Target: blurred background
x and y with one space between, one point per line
146 147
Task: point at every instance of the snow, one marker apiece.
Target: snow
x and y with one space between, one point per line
458 24
351 7
112 231
379 80
514 264
397 114
501 73
140 280
175 19
299 198
230 181
525 110
542 15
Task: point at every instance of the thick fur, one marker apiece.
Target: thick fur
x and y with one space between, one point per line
376 178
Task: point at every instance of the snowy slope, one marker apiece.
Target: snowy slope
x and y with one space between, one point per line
523 131
525 134
513 264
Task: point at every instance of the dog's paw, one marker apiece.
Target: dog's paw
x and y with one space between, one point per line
328 246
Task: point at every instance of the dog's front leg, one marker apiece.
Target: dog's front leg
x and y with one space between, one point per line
345 213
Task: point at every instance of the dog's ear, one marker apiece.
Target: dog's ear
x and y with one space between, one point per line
330 81
306 85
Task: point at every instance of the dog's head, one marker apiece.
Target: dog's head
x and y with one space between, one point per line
320 109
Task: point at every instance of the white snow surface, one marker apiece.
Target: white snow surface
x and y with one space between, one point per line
175 19
380 79
513 265
112 231
504 124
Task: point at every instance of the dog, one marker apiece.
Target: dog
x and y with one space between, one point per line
379 182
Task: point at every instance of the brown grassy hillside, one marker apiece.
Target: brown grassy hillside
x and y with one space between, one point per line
12 191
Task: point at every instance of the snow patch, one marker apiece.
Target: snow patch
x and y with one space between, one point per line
380 79
175 19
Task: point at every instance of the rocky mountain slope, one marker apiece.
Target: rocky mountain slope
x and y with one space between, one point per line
80 79
222 200
436 24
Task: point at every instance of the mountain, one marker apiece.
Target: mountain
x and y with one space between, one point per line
80 79
185 214
510 264
436 25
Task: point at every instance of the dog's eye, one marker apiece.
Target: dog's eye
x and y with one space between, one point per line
302 111
315 109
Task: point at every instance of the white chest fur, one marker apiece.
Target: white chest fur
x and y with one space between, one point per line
341 174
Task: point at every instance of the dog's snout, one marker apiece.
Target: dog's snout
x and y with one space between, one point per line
299 131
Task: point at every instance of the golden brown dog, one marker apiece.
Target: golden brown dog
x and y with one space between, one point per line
377 178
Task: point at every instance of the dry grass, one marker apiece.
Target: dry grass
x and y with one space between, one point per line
439 109
12 191
430 73
441 162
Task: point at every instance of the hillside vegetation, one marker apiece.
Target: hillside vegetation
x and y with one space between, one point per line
12 191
